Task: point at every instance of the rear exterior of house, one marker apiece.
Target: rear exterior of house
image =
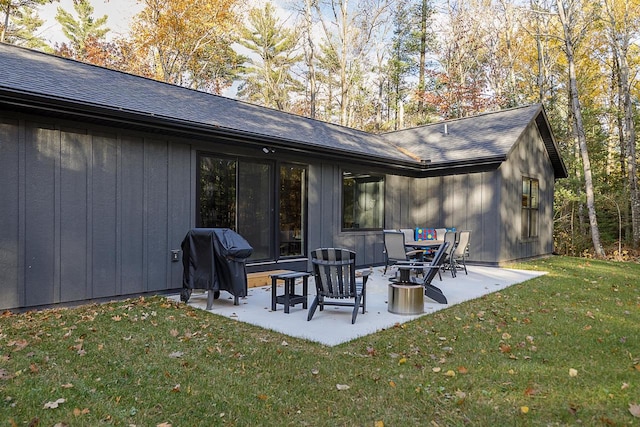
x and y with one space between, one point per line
96 200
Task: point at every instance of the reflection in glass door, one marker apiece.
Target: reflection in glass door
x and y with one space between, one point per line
240 194
292 208
255 207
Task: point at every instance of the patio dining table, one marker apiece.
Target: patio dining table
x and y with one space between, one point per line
424 244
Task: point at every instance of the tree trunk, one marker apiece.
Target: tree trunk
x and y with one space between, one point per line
630 137
6 23
423 54
579 132
310 59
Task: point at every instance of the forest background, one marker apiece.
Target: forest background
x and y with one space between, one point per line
381 65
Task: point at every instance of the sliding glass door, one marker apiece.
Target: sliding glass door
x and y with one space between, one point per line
266 208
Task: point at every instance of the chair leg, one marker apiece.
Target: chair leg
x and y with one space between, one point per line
312 309
355 309
464 263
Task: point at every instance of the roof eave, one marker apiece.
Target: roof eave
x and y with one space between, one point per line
168 124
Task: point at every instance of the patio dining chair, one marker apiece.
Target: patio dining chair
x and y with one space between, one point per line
395 249
448 264
461 251
334 270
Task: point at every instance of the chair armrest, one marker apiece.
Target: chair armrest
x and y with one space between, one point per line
414 252
364 276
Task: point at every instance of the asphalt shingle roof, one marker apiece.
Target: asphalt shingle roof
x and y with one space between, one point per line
39 77
484 136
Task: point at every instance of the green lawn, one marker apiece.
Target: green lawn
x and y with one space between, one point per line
561 349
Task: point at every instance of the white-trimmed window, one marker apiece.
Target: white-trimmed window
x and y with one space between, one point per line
530 203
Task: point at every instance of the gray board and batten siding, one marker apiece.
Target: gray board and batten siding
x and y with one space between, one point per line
99 177
89 214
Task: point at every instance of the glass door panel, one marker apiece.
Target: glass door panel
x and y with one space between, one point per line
255 207
217 193
292 209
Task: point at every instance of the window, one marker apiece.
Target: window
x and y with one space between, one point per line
240 194
530 198
362 201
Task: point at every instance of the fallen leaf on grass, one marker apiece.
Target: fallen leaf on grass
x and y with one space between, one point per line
462 370
176 388
524 409
634 408
573 372
163 425
450 373
262 397
54 404
505 348
342 387
77 411
379 424
4 375
176 354
18 344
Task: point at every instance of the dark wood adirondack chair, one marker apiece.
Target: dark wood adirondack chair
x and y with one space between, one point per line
334 270
430 270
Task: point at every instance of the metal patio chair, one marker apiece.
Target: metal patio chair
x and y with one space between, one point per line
395 249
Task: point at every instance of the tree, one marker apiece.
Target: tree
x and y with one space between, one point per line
81 31
310 54
269 80
188 42
568 14
20 22
621 19
348 30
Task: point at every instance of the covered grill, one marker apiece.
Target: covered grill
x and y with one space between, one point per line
214 259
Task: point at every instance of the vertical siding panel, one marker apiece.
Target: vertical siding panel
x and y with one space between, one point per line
315 208
103 220
42 150
181 204
156 216
475 214
74 158
131 211
437 203
9 212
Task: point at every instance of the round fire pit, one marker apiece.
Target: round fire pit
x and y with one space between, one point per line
405 298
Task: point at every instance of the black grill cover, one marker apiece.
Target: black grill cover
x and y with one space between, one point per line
214 259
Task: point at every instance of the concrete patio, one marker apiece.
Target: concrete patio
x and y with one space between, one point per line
333 325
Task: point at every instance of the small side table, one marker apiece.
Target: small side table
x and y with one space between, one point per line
289 298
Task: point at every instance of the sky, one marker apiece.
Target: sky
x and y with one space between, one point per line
119 12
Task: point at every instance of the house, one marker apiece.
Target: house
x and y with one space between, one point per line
103 173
